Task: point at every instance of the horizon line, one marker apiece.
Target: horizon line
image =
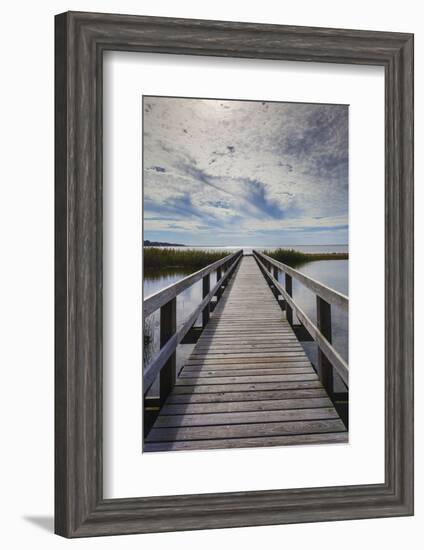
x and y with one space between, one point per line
251 245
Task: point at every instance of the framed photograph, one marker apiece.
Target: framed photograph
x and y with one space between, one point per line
234 274
217 172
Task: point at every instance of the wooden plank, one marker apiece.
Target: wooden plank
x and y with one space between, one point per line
247 357
247 379
245 430
226 419
168 326
278 342
206 373
245 333
246 360
242 366
258 346
240 352
254 346
303 439
241 340
235 326
255 335
280 327
216 388
239 406
260 334
324 326
243 355
230 351
206 288
255 324
269 394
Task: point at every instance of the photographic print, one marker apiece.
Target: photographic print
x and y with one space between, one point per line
245 273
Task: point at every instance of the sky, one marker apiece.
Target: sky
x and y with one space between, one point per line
248 173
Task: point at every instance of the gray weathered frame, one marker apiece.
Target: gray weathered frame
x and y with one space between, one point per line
81 39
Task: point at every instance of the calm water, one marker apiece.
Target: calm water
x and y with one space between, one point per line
333 273
187 302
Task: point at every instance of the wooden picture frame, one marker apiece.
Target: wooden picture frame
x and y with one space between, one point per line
81 39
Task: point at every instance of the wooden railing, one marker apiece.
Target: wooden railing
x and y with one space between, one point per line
321 333
163 363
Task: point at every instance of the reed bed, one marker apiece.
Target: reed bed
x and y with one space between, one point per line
163 258
295 258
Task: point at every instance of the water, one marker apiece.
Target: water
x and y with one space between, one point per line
333 273
187 302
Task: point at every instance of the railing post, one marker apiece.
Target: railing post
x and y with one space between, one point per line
324 326
289 290
206 290
274 272
168 326
218 277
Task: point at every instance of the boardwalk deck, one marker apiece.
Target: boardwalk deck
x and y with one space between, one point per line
248 381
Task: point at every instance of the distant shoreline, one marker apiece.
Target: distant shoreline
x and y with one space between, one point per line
158 243
238 246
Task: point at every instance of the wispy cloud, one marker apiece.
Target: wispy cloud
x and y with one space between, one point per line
237 172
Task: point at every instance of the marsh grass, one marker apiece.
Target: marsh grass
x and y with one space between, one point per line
165 258
295 258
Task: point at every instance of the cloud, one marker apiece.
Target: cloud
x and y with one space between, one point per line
216 169
257 195
157 169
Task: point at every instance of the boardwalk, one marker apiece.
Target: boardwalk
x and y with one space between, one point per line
248 381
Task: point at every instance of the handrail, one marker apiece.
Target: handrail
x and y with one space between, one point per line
326 293
167 351
322 340
161 297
